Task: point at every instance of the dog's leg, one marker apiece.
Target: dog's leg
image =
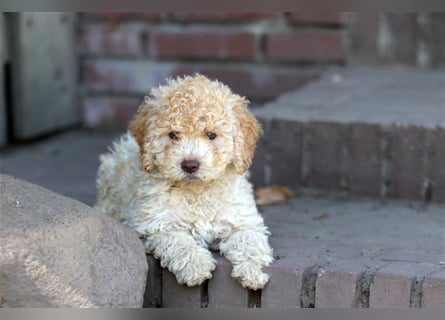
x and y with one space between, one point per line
183 256
249 252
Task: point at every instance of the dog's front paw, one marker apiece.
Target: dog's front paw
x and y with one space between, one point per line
196 270
250 275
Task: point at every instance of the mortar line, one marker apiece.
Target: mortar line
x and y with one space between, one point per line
156 278
305 155
254 298
428 155
345 141
416 292
308 286
204 298
363 287
386 162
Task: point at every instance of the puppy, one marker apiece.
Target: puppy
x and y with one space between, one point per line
179 178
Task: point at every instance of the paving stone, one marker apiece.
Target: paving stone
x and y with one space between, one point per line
284 287
433 290
364 162
392 284
178 296
325 155
284 148
407 152
336 283
223 290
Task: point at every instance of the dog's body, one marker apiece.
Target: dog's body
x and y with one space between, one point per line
179 179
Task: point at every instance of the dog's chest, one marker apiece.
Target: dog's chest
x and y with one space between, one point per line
201 215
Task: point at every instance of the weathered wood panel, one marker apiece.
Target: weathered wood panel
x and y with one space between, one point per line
3 53
44 73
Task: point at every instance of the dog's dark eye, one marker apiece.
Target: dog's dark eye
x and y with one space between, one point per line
173 135
211 135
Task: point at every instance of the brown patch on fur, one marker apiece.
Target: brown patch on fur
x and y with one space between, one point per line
138 127
245 141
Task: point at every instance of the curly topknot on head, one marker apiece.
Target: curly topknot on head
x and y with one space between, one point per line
192 90
192 107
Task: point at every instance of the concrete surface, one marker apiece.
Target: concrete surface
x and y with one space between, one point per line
324 243
394 95
65 163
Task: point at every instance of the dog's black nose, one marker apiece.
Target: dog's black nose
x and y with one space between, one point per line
190 166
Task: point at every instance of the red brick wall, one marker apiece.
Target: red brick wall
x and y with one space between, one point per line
260 55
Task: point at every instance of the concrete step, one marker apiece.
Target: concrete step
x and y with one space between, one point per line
372 132
332 251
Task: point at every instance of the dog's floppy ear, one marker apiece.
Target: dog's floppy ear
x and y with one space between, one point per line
249 132
139 128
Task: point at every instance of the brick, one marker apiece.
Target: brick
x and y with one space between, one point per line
433 290
284 287
201 44
108 112
102 40
437 161
407 152
128 76
223 290
178 296
315 45
325 155
364 163
284 149
260 83
321 18
392 283
121 16
219 17
336 284
153 289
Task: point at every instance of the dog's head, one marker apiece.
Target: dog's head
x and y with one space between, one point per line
195 128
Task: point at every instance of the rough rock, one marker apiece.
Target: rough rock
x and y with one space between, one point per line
58 252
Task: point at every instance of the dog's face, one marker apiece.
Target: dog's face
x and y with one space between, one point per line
195 129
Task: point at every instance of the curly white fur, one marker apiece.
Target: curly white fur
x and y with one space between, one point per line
181 214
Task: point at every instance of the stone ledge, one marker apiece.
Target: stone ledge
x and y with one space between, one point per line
376 133
400 96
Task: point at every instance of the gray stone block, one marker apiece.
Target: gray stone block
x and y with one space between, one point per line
392 284
336 284
223 290
284 287
175 295
433 290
